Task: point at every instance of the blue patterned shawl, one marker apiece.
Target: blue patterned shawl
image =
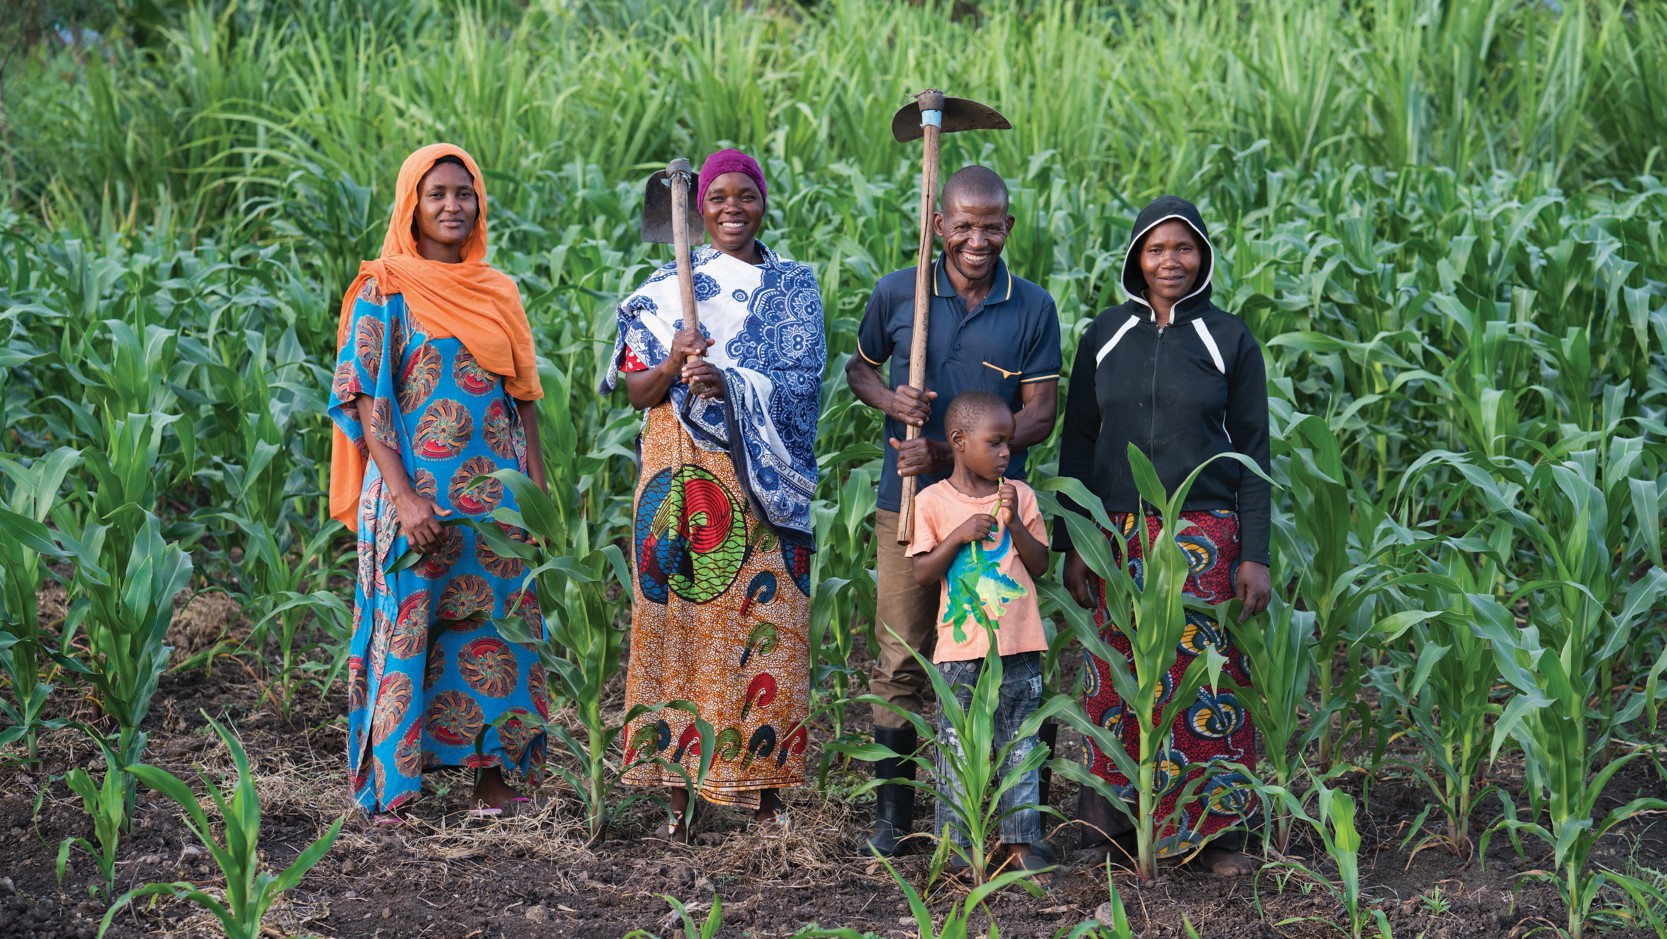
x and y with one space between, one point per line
766 321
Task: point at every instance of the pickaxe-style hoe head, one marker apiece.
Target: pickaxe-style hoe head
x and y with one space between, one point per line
958 114
656 205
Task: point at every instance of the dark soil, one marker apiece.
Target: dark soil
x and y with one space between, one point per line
533 875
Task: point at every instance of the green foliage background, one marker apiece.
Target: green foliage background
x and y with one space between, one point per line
1442 220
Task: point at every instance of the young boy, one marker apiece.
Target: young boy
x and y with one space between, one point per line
981 537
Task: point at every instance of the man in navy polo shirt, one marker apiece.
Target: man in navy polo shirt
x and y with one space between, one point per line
988 331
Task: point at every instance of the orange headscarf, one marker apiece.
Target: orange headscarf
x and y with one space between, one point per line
479 306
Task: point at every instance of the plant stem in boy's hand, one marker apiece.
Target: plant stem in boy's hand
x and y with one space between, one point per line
930 568
1007 504
1032 552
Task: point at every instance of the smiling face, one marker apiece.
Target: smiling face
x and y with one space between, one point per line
733 212
447 209
985 448
1169 259
974 229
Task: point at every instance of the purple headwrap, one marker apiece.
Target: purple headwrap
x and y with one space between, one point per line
729 161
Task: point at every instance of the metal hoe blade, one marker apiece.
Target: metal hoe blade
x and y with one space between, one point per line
656 211
958 114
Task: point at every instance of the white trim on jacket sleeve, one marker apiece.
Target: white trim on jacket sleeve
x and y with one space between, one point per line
1210 344
1105 350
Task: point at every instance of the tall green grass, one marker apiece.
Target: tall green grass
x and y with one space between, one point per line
231 100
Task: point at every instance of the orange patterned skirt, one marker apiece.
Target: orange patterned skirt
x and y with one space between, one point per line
720 618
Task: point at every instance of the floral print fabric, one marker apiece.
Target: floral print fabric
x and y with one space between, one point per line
720 617
431 683
1213 730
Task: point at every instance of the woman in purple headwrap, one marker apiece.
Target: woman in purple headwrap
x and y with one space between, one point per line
721 560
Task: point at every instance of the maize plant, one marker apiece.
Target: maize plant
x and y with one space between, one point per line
577 637
1560 662
1444 680
971 775
1151 614
1334 823
25 649
108 803
1281 657
126 577
1550 721
844 585
286 558
250 891
1334 581
123 611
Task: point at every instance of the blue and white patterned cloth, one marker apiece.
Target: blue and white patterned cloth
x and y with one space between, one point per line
766 323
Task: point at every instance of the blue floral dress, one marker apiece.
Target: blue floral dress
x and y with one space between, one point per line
431 683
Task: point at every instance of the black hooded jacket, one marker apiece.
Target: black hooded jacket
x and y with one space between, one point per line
1182 394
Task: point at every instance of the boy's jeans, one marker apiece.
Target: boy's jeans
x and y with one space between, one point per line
1021 693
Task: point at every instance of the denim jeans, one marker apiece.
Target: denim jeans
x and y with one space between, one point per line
1021 693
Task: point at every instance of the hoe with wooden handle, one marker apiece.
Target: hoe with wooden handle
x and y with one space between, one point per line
666 219
929 117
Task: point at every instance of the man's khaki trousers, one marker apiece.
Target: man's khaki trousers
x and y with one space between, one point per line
911 611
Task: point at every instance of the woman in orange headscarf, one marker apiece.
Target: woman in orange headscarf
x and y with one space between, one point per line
435 385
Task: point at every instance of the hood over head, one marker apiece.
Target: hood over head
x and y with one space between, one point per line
1158 211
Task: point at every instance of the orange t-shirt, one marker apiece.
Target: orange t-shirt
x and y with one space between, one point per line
1004 590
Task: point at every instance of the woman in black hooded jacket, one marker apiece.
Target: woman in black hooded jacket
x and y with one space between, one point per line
1182 380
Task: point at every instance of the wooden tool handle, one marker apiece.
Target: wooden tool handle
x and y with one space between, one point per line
931 113
677 174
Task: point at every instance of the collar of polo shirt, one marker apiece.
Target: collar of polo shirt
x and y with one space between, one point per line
1001 282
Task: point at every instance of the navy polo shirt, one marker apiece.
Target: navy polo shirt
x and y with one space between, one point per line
1010 340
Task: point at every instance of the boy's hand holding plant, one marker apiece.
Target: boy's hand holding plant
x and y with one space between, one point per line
1007 504
975 529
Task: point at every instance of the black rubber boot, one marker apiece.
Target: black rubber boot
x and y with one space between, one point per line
894 804
1098 822
1049 735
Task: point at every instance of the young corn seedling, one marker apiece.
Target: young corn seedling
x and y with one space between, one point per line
107 805
957 921
25 650
576 639
124 615
1559 664
250 891
1281 657
970 774
1444 683
705 929
1111 920
282 573
844 583
1152 615
1562 746
1334 823
1333 581
1549 720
